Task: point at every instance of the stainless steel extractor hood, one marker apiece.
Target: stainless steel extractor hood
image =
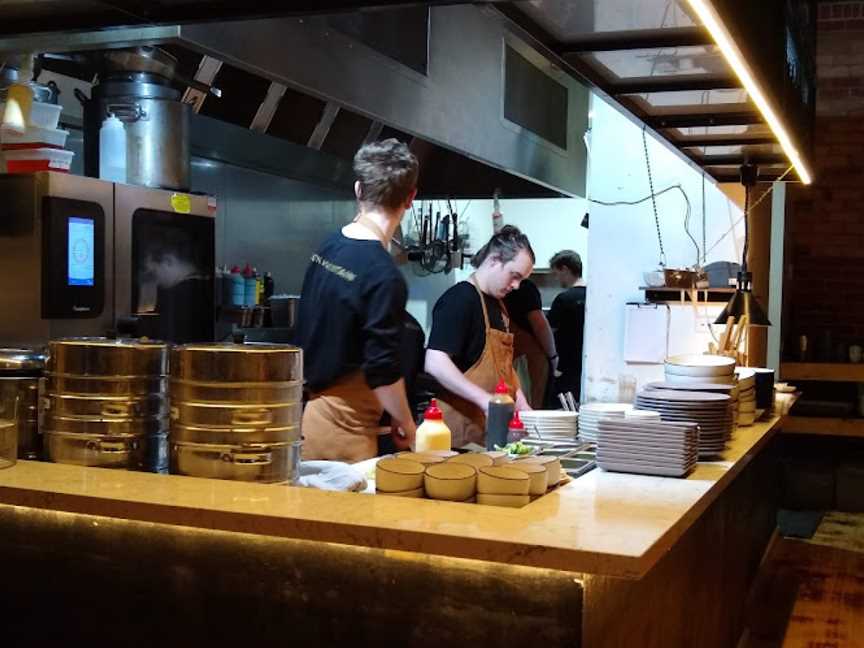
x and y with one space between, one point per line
482 92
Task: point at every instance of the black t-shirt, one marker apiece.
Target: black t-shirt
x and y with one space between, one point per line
458 328
351 315
522 301
567 317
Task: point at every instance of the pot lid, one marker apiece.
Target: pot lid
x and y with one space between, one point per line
17 360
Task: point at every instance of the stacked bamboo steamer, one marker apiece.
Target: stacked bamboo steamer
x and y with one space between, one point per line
236 411
104 403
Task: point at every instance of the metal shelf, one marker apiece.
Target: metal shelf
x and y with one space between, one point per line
827 371
824 426
706 295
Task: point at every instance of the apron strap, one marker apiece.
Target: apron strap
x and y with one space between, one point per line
482 303
505 315
372 226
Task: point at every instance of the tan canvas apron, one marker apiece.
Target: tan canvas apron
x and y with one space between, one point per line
341 423
531 363
466 421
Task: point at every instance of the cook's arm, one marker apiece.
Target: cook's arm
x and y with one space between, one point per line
395 403
522 402
543 332
441 367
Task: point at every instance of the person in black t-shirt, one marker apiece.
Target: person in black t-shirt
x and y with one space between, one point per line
534 344
470 345
351 317
567 318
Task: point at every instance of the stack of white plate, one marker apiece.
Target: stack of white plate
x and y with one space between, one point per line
551 425
590 415
746 396
711 411
714 388
703 368
648 447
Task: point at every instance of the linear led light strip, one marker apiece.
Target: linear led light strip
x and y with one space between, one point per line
733 56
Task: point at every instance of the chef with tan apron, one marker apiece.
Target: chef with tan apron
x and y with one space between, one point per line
470 346
350 319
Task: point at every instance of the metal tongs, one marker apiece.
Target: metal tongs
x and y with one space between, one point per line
568 402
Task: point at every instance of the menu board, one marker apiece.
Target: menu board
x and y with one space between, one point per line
81 234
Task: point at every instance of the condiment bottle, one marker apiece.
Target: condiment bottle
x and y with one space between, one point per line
501 408
433 433
251 286
516 430
238 287
268 287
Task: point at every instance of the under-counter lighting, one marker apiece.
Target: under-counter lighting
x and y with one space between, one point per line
733 56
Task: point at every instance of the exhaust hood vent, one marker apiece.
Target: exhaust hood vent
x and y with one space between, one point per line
242 93
534 100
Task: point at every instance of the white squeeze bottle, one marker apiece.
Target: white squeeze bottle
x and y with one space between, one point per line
433 433
112 150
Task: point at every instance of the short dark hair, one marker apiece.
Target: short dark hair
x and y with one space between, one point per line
567 259
505 245
387 172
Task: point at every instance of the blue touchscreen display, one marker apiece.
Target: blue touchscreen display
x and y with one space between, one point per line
80 253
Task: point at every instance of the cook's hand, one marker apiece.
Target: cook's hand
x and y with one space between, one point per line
553 362
401 439
483 402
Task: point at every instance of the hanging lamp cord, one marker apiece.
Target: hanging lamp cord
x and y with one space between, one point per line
653 197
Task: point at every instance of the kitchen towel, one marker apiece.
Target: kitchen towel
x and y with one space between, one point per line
331 475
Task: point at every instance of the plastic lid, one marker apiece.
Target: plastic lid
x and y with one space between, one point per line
433 412
516 422
236 269
247 271
502 388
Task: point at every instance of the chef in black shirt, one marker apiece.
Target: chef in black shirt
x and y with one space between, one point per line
470 345
352 313
567 318
533 342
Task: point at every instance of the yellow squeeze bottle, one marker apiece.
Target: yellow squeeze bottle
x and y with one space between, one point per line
433 433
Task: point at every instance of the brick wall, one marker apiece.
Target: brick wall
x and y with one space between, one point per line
825 256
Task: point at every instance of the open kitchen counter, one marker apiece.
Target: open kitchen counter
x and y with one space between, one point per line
604 524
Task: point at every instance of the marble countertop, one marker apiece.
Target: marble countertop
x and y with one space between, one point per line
605 523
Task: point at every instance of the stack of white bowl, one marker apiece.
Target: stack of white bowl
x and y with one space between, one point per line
553 425
700 368
746 396
590 415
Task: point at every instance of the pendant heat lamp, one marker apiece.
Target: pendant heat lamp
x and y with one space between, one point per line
743 302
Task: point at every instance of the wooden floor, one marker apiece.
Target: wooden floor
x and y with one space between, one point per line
810 594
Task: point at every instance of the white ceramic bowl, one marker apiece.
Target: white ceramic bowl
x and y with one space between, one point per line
503 480
417 493
475 459
715 366
683 380
427 459
398 475
455 482
552 465
513 501
537 473
498 458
